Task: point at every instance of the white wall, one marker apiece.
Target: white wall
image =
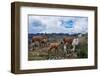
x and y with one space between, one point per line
5 30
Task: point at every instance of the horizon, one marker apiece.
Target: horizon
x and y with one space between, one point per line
58 33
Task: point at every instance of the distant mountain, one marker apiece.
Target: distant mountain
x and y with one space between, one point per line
55 34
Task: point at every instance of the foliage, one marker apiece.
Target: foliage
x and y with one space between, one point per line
83 51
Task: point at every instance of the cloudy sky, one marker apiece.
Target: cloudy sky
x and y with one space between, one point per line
57 24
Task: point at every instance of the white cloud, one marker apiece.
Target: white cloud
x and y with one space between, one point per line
53 24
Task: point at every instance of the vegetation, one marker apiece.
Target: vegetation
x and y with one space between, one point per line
41 53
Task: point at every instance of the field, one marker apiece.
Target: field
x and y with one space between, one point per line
41 52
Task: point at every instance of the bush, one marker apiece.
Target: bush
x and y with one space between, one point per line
83 51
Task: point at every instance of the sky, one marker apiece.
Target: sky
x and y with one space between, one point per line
57 24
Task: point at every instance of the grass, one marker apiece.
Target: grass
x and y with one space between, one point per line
83 51
42 53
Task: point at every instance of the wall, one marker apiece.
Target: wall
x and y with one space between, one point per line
5 33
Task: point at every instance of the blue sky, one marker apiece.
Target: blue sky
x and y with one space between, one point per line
57 24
